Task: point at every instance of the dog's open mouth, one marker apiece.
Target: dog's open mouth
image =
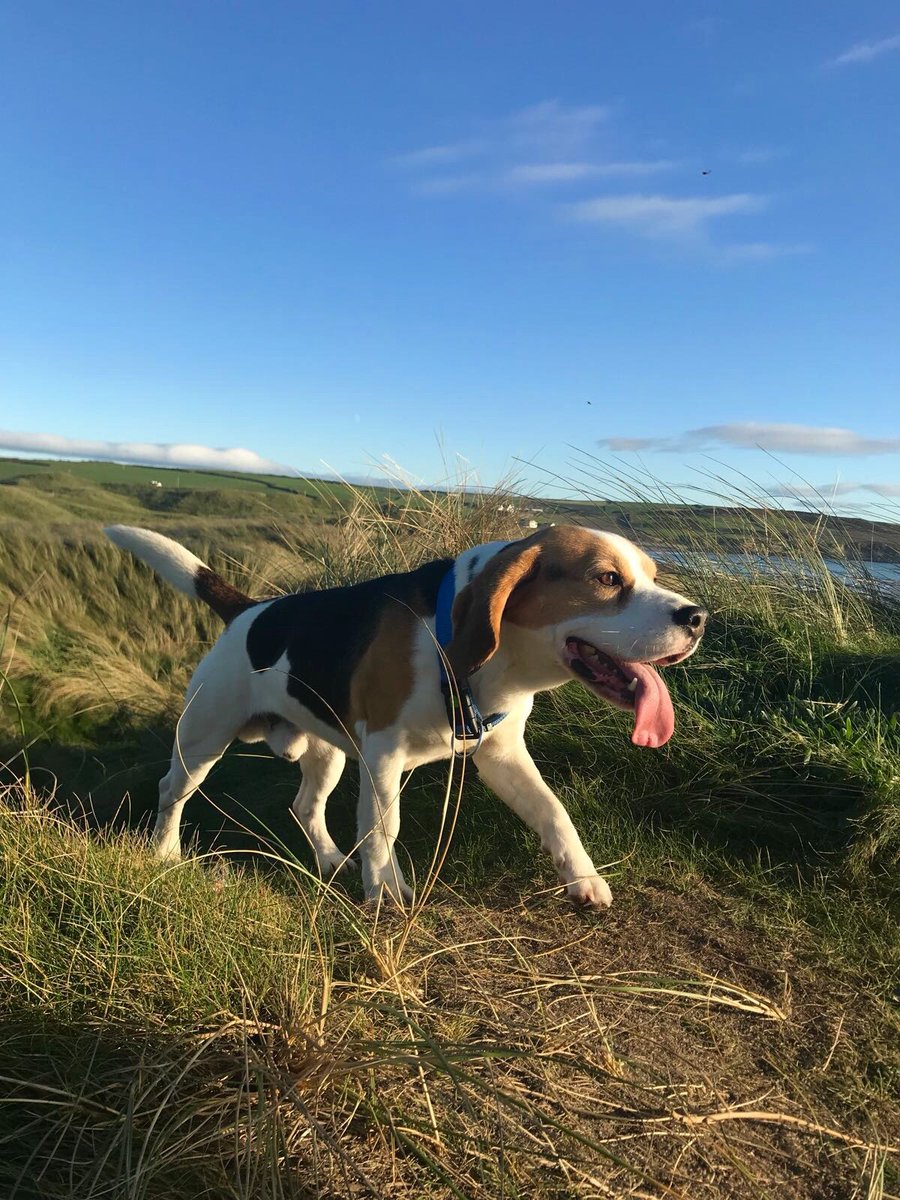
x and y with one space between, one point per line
634 686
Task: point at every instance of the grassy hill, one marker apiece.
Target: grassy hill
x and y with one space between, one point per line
106 473
233 1028
106 492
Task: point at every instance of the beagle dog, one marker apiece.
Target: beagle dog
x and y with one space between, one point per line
397 671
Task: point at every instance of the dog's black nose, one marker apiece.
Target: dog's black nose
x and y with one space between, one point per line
692 616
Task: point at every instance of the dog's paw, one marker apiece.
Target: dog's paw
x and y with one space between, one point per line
329 864
387 883
167 851
591 891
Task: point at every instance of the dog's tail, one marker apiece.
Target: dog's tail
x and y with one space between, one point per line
182 569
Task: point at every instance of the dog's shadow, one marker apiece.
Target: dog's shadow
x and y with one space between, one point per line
243 809
790 812
113 784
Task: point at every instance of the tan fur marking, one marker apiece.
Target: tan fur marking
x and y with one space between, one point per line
225 601
384 678
565 562
568 584
481 605
647 563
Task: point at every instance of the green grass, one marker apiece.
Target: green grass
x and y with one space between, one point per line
117 474
232 1028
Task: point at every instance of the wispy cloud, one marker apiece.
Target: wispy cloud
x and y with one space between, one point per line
890 491
762 251
686 221
530 174
177 454
831 491
441 156
760 156
553 130
527 174
550 147
863 52
752 435
549 131
448 185
544 143
663 216
536 175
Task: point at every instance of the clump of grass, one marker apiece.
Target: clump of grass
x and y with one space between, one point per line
790 714
207 1028
397 530
90 628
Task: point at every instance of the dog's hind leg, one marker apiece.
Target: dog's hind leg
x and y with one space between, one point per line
204 733
322 765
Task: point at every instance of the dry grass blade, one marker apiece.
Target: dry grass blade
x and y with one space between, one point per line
776 1118
708 991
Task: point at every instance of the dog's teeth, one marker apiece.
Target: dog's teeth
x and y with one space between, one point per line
632 687
582 669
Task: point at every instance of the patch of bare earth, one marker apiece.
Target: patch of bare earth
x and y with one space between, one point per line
659 1051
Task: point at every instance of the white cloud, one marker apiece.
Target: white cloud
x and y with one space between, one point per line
752 435
548 132
526 174
624 444
685 220
546 135
535 147
760 156
762 251
184 455
663 216
554 172
530 175
832 491
441 156
797 439
553 130
448 185
808 491
863 52
551 145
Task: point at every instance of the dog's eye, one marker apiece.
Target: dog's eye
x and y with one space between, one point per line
610 579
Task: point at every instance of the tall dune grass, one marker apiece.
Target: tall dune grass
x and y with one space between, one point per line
244 1031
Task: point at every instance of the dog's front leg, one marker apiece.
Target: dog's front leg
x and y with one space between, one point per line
506 766
378 820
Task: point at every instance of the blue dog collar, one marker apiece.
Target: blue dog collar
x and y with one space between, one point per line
466 721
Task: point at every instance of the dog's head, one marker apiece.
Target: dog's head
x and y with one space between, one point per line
591 603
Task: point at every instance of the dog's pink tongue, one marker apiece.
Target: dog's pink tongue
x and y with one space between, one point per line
654 716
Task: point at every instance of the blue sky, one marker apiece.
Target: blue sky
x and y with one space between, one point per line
330 232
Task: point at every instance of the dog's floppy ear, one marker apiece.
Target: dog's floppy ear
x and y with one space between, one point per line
479 607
